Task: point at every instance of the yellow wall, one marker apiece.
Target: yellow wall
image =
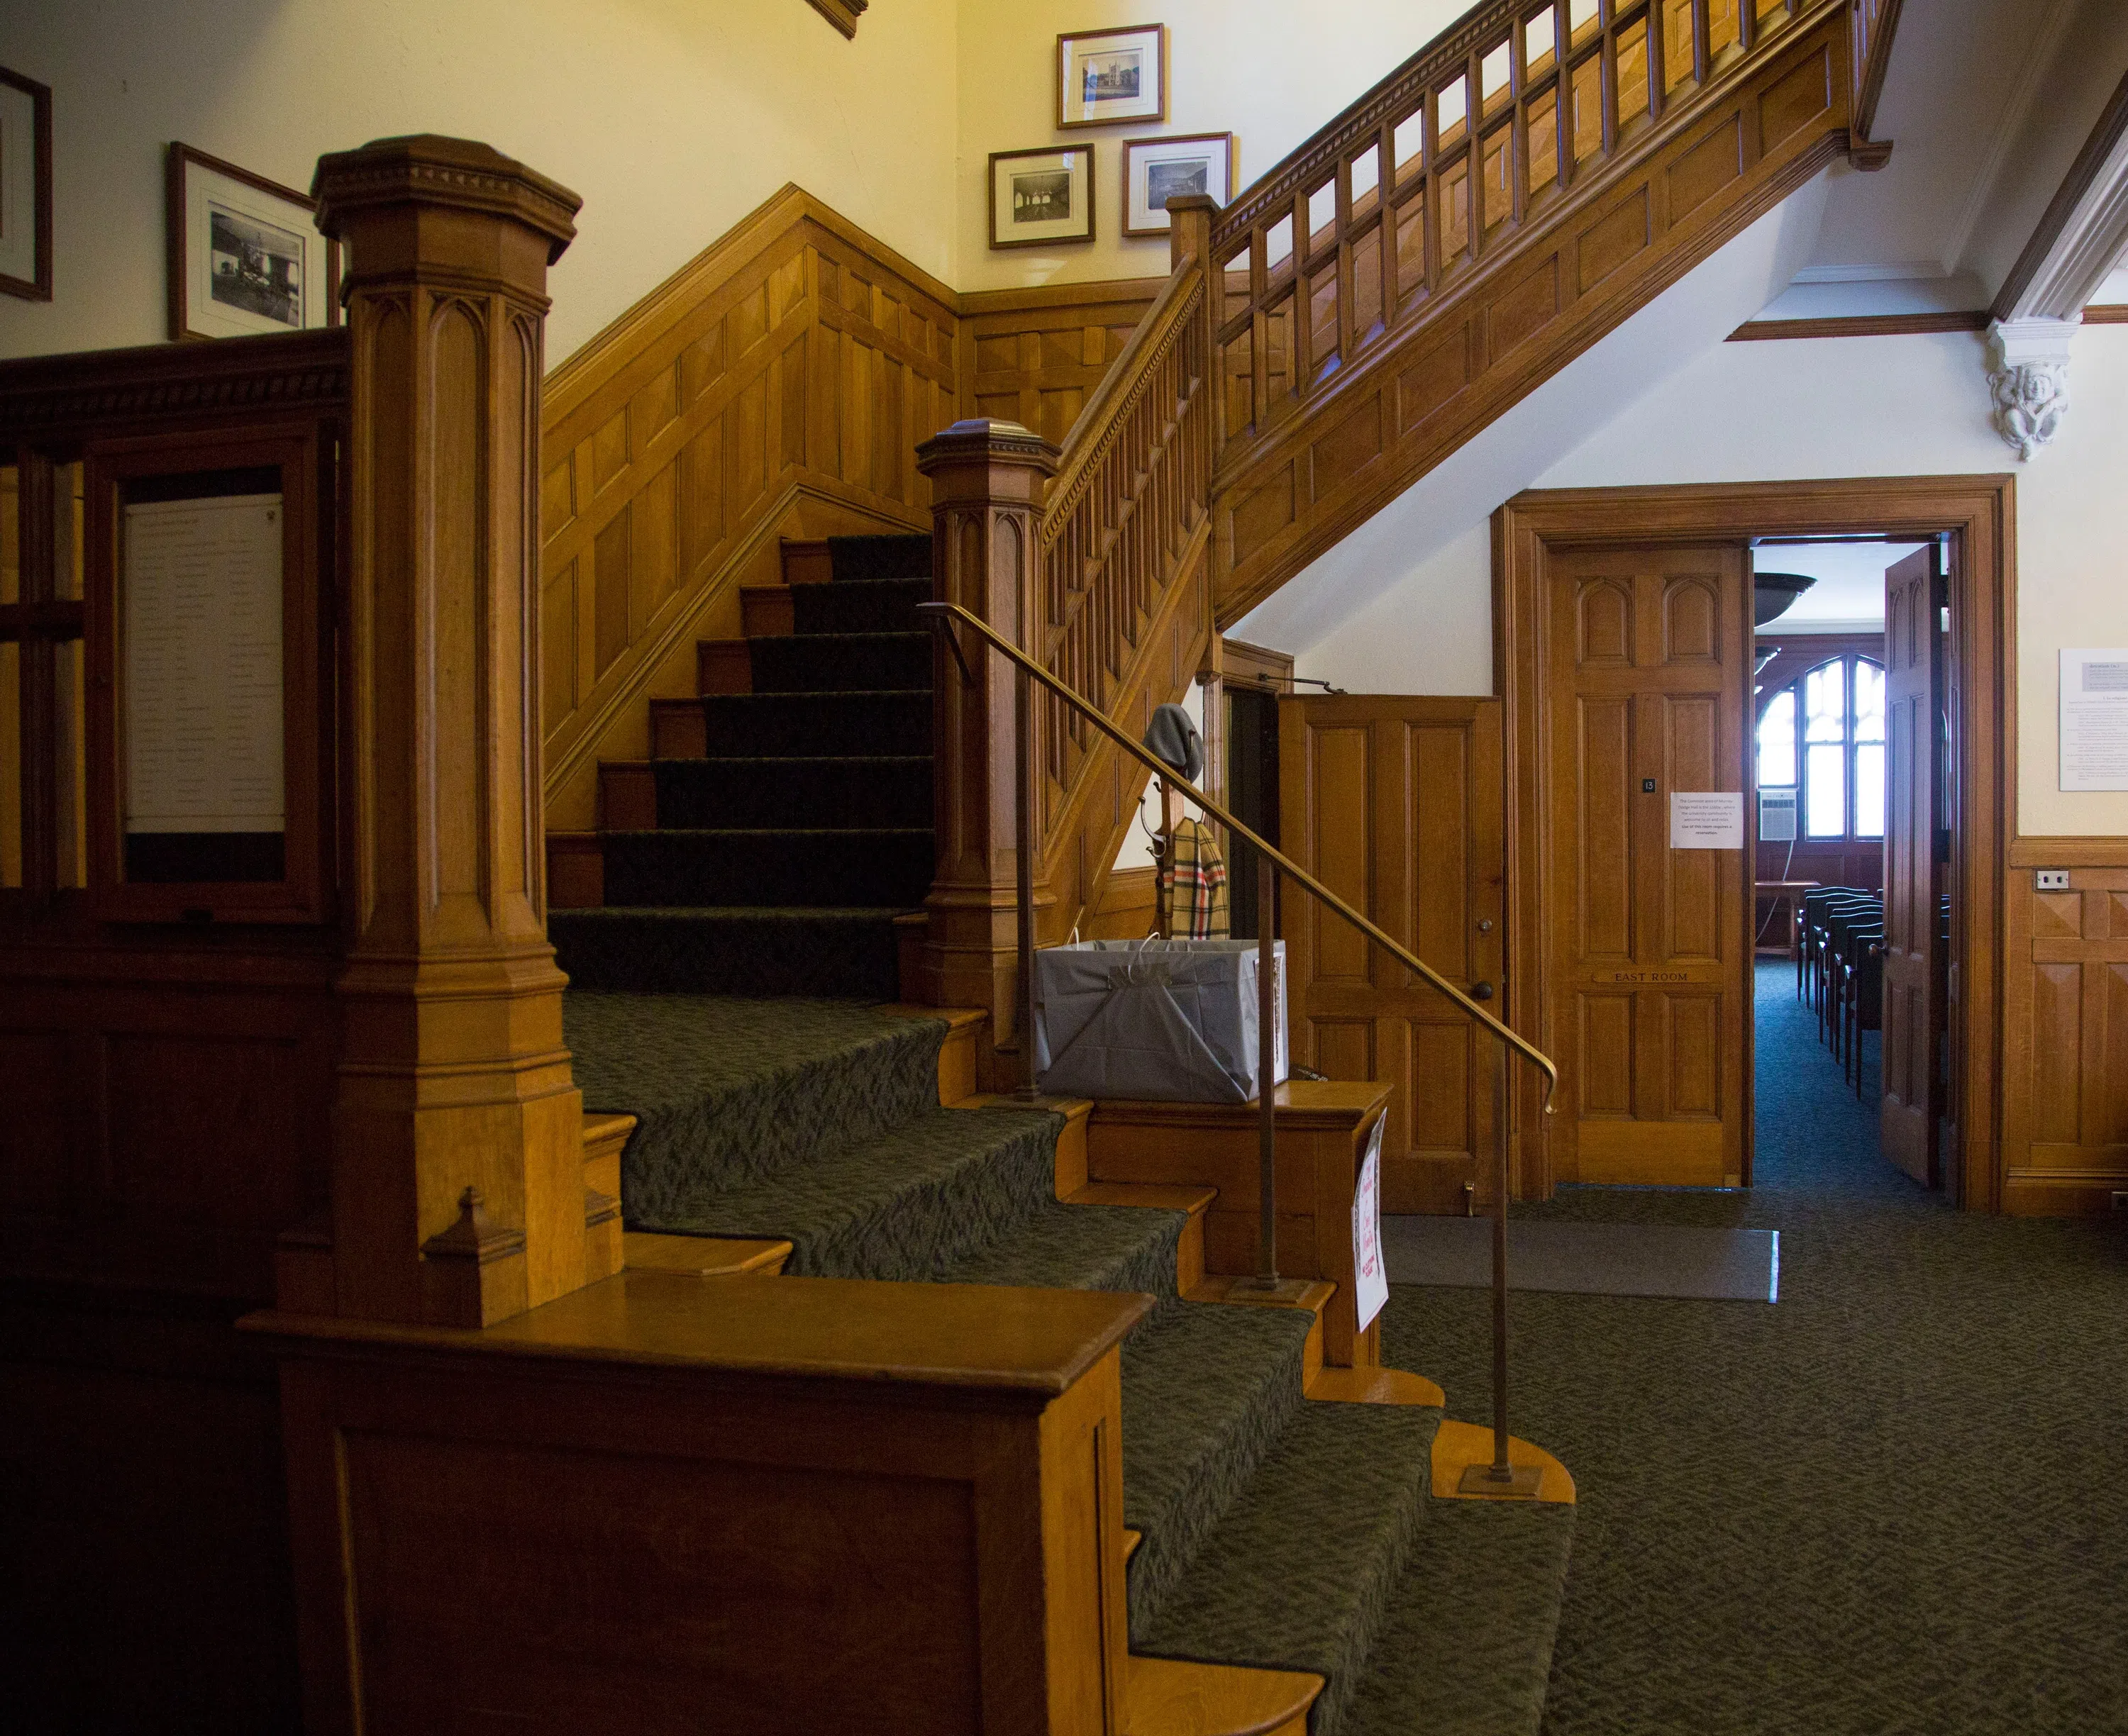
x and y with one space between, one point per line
1269 71
673 118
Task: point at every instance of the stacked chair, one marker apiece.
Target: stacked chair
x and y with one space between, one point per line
1840 969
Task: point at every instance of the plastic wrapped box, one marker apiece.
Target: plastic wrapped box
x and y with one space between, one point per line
1173 1021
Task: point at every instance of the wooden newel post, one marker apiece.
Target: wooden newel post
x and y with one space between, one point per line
987 483
458 1151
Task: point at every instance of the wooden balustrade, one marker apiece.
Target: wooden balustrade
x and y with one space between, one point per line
1123 523
1440 165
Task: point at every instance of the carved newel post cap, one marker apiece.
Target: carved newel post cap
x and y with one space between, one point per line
984 439
427 168
1193 202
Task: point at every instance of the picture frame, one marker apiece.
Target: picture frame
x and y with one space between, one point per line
25 186
1043 197
1157 169
1109 76
244 255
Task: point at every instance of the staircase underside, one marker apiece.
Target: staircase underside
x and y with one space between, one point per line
1326 456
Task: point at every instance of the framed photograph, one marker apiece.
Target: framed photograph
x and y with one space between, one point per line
245 256
1156 170
25 186
1042 198
1111 75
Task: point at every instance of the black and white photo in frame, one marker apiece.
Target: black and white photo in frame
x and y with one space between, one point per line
1041 198
1111 75
1156 170
245 256
25 187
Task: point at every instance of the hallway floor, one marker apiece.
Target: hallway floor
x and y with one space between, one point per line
1896 1500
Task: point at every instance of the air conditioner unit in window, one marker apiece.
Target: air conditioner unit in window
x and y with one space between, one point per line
1777 816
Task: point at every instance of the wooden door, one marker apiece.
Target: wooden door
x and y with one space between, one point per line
1648 997
1914 593
1398 805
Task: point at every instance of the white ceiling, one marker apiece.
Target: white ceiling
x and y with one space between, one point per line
1848 596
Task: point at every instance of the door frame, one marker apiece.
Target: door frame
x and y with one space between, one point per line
1980 513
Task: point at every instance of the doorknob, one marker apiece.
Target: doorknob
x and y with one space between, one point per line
1481 991
1485 925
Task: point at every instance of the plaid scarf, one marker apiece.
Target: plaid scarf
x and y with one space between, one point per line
1193 883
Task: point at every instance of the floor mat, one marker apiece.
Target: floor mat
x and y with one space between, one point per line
1588 1259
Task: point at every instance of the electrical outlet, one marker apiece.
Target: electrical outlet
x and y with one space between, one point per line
2053 880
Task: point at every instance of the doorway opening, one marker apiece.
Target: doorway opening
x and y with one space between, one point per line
1850 798
1635 693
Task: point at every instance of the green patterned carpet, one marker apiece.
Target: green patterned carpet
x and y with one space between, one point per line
1896 1501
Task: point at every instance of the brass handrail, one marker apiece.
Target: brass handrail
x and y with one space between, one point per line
1285 864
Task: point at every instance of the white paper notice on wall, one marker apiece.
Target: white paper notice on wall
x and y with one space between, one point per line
1370 1283
202 603
1706 819
2094 720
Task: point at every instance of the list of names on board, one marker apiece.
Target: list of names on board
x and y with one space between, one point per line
201 610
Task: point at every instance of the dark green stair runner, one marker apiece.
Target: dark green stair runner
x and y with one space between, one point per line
1277 1532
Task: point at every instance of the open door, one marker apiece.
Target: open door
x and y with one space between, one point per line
1915 597
1647 679
1398 805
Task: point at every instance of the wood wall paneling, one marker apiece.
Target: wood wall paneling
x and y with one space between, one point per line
1034 357
2065 1041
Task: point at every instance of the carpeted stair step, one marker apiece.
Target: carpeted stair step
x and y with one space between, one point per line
1066 1247
860 605
751 950
1465 1646
785 725
727 1090
1207 1389
819 791
859 558
909 1205
1302 1569
841 662
876 869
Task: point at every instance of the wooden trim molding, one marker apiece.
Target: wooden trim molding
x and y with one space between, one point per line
1859 325
843 14
1244 665
1980 513
2095 852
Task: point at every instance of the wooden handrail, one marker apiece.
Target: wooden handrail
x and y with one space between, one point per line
946 614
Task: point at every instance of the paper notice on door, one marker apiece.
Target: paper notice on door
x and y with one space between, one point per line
1370 1284
2094 720
1706 819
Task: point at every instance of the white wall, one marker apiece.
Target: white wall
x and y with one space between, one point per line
1270 71
673 118
1833 407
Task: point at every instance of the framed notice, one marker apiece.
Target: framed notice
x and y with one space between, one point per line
245 258
205 733
2094 720
25 187
1042 198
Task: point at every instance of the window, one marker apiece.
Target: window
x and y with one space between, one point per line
1823 736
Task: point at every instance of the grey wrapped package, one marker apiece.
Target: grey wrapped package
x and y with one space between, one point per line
1173 1021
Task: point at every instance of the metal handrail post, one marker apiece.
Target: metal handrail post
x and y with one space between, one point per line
1266 1075
1502 1477
1023 797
